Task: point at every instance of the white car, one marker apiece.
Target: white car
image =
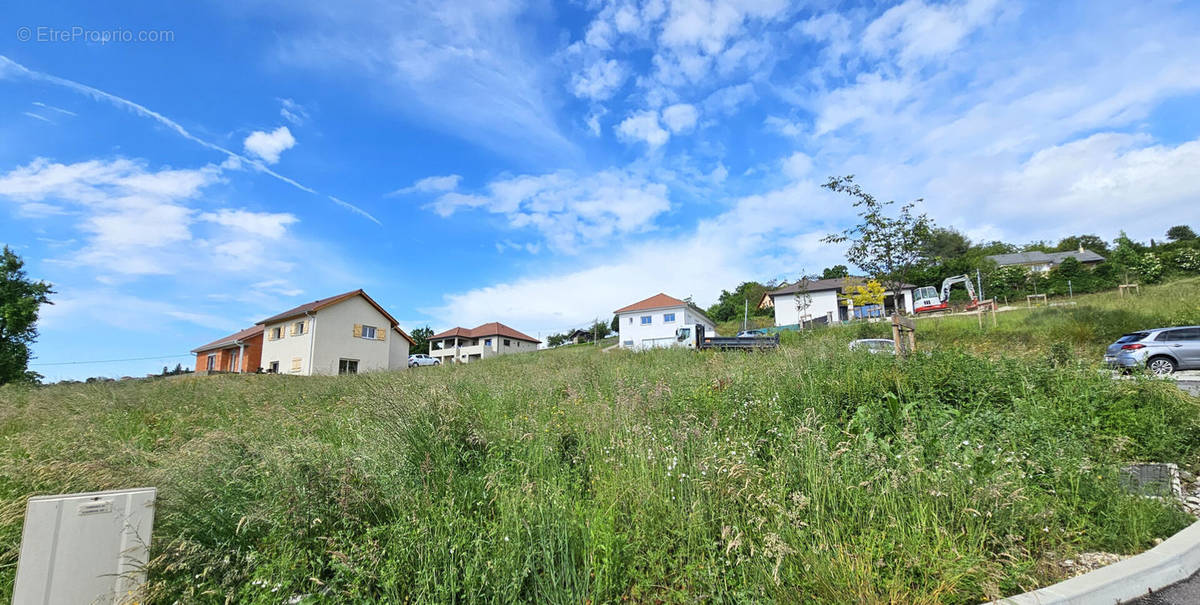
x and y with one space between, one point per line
421 359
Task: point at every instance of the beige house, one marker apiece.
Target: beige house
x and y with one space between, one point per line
344 334
460 345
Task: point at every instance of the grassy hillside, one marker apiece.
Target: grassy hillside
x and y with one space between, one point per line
575 475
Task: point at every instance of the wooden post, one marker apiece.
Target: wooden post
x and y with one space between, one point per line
902 326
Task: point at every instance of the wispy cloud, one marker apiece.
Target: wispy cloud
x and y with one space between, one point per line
38 117
431 184
55 109
472 69
9 68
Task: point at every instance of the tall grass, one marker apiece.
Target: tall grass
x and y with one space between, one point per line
807 474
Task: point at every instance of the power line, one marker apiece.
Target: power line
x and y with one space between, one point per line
71 363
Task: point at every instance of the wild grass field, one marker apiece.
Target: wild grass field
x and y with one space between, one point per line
809 474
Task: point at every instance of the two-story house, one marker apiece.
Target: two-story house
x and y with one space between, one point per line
460 345
655 321
344 334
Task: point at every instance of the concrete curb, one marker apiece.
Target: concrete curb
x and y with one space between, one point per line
1175 559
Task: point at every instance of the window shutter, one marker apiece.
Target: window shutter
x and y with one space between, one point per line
292 330
295 364
358 330
380 334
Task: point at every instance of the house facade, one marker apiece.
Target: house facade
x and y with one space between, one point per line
821 301
460 345
240 352
1041 262
655 321
345 334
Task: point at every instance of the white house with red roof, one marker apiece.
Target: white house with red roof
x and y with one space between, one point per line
460 345
661 321
345 334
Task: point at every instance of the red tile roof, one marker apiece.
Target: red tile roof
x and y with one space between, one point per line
658 301
494 328
231 340
317 305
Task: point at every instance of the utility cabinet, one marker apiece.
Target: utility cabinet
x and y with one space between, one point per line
84 548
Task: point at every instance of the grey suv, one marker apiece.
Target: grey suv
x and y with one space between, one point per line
1161 350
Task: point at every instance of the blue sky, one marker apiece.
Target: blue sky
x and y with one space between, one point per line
542 163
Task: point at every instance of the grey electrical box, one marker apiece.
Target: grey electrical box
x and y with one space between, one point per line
84 548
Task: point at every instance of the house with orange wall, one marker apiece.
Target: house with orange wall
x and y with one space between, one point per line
240 352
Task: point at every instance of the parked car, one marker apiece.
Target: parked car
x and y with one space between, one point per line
1161 350
421 359
874 346
751 333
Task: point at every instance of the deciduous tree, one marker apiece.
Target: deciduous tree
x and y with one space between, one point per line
889 248
20 300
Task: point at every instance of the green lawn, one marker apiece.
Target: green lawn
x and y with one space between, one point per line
806 474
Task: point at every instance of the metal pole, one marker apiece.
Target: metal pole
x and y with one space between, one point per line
745 312
1070 291
979 281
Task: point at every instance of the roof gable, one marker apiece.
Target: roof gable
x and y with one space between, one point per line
494 328
317 305
232 339
658 301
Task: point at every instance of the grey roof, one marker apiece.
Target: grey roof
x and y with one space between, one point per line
1042 258
820 285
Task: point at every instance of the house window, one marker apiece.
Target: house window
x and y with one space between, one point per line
668 318
507 342
628 343
273 367
276 332
487 342
347 366
645 320
368 332
298 329
631 319
212 362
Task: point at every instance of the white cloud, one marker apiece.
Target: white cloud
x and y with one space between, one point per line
268 145
1097 184
271 225
797 165
680 117
916 31
643 126
600 80
570 211
135 221
431 184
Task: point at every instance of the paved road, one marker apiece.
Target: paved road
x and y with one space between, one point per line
1186 592
1193 387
